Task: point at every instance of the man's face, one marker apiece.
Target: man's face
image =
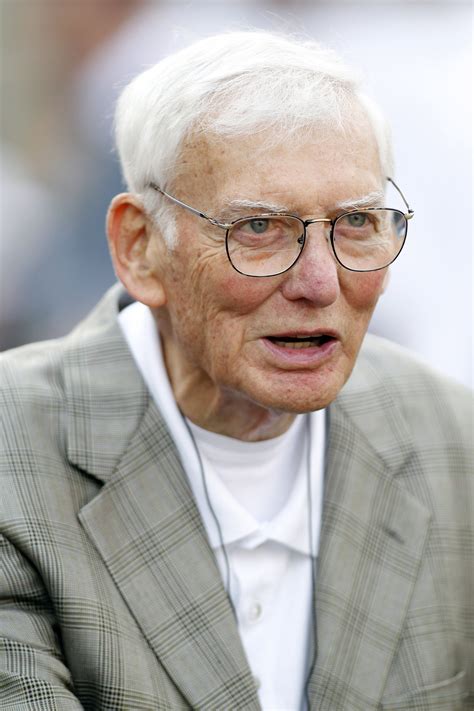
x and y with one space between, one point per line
223 332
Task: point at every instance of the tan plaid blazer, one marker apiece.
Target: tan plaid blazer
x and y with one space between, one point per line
109 593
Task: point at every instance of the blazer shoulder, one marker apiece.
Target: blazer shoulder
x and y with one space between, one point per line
434 406
43 384
68 407
34 374
31 377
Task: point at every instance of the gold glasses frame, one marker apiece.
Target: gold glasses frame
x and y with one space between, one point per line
227 226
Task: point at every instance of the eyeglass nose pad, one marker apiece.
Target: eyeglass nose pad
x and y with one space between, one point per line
327 227
300 240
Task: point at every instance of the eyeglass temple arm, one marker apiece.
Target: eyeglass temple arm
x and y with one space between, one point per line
410 212
154 186
188 207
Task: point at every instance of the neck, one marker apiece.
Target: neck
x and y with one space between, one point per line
235 417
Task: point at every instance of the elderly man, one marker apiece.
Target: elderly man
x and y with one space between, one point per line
198 511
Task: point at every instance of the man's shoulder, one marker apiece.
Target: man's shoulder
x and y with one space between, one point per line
37 368
31 374
398 366
388 375
68 403
42 383
420 424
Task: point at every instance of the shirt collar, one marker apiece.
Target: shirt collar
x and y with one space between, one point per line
290 527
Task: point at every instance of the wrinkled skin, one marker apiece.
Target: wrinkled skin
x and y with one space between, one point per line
213 320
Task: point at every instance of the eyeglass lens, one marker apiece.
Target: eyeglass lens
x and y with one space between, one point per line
362 241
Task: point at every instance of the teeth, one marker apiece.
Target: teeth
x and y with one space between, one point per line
297 344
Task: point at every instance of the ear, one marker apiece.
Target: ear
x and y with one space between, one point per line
136 248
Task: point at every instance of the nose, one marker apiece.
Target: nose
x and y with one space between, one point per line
315 276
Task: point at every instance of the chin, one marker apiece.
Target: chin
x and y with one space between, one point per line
298 395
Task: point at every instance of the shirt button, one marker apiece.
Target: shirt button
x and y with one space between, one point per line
254 612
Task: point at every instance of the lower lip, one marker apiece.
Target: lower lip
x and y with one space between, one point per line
302 357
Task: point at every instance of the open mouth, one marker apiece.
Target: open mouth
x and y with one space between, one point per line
299 342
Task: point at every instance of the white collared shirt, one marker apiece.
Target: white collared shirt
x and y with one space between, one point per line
258 492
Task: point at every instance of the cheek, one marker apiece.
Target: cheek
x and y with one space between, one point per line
204 273
242 294
222 291
209 304
362 290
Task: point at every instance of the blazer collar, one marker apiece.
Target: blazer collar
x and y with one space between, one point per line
106 396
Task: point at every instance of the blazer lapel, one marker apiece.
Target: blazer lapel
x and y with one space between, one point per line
144 522
372 540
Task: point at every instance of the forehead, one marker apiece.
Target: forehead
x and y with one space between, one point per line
324 165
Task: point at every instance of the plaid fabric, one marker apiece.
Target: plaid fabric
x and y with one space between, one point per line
109 593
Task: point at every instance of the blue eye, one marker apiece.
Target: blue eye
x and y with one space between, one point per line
356 219
259 226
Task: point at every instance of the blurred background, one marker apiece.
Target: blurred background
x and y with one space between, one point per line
63 62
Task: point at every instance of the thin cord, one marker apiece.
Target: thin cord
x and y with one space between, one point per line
313 561
214 516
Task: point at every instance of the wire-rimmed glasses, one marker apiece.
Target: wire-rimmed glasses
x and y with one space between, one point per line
269 244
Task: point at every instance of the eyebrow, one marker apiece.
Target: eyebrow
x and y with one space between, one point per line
235 207
374 199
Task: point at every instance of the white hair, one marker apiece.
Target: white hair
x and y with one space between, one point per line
232 84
